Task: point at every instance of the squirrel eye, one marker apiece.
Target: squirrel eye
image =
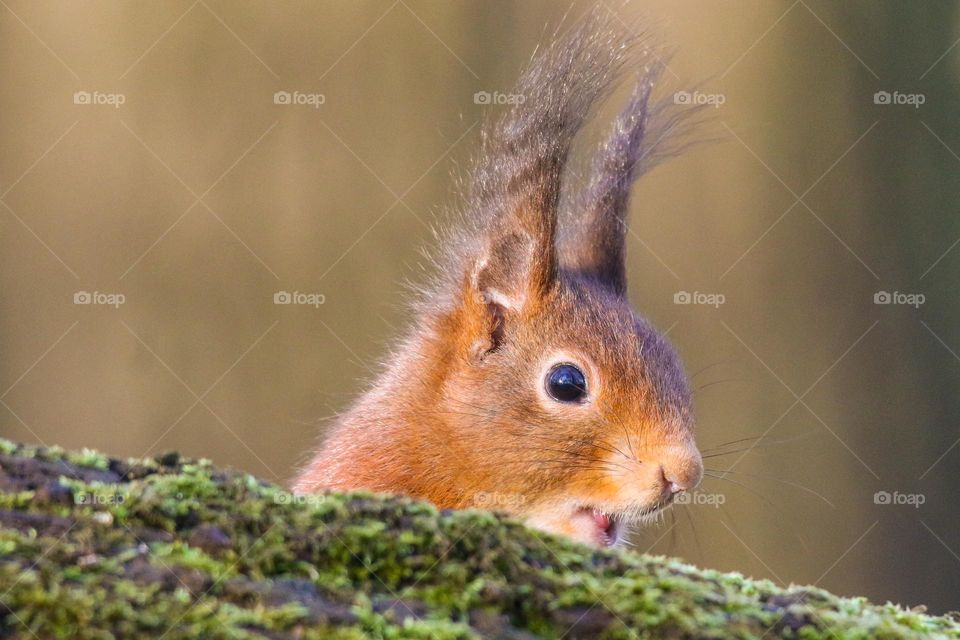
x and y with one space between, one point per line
566 383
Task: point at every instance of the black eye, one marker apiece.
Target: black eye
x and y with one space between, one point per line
566 383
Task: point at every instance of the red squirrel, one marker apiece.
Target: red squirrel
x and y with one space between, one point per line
527 383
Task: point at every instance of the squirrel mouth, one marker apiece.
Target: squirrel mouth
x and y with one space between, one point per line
607 528
610 529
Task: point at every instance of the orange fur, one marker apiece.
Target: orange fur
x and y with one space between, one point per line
462 416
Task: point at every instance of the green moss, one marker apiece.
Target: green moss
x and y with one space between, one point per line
88 458
97 548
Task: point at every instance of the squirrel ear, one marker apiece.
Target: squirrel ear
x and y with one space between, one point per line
516 269
518 265
596 245
646 132
516 182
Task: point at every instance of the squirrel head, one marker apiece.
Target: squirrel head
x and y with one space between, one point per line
564 406
568 408
529 385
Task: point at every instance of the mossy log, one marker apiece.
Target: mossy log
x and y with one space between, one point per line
92 547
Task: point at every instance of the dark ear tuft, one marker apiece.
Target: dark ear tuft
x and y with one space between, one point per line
645 132
517 180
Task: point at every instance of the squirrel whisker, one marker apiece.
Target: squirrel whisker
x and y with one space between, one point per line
781 512
713 453
599 463
738 441
626 433
754 491
557 440
710 366
713 473
598 443
562 440
707 385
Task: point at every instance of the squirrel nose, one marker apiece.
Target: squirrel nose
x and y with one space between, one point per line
683 473
671 487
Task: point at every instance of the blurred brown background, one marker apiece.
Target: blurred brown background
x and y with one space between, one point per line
199 198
